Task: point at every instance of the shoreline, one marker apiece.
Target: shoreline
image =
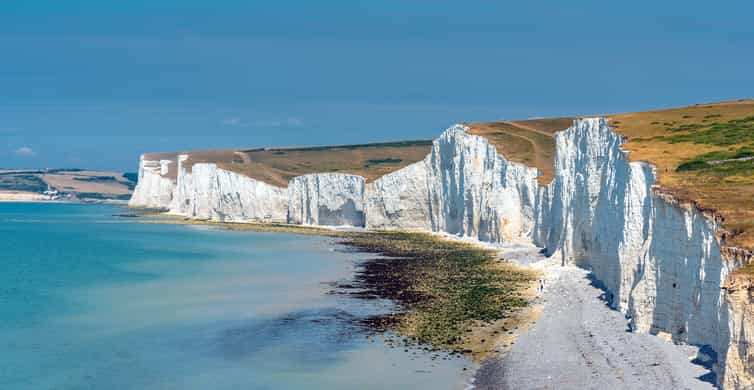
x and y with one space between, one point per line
557 324
542 334
241 310
461 269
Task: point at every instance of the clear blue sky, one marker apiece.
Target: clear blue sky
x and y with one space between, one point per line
93 83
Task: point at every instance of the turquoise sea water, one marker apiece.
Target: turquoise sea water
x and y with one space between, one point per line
92 301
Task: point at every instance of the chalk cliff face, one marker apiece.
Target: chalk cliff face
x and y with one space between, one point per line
327 199
474 192
660 262
399 200
739 365
463 187
208 192
153 190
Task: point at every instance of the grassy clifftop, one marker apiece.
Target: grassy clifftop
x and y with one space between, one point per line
528 142
703 153
277 166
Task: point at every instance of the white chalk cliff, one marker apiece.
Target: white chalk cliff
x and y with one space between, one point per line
739 369
326 199
154 189
660 262
475 192
208 192
462 187
400 199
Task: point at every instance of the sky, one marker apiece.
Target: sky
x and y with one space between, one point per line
94 83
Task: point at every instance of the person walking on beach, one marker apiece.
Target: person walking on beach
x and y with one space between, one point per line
541 285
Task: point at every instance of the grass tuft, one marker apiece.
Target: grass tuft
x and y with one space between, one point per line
733 132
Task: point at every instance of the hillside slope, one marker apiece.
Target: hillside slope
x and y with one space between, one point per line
65 184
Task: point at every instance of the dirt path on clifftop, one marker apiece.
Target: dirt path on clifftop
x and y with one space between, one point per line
532 128
579 343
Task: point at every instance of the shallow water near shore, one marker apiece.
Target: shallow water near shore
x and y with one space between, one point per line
88 300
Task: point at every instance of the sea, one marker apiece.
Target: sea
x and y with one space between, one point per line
92 300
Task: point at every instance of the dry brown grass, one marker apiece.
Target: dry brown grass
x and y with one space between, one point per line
729 195
71 181
528 142
548 126
277 166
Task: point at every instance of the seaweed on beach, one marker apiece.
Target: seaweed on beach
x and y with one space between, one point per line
442 288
